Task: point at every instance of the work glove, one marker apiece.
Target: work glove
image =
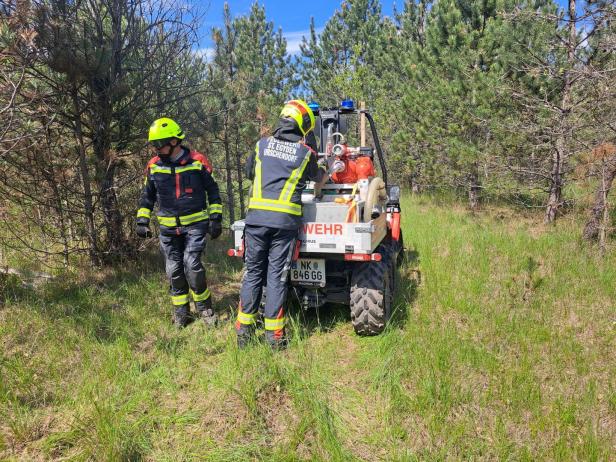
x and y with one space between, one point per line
215 228
143 231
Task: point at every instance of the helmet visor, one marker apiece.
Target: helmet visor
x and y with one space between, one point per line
159 144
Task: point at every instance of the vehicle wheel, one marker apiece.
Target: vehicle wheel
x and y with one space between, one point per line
389 257
371 297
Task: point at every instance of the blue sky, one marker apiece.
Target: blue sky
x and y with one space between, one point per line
292 16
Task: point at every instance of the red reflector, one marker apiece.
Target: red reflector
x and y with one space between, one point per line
395 226
298 244
356 257
235 253
376 257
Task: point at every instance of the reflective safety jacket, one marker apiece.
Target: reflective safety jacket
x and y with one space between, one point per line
279 170
183 188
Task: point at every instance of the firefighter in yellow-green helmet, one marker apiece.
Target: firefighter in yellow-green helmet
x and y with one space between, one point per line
279 168
189 207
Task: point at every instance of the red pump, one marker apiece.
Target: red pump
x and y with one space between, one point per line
357 166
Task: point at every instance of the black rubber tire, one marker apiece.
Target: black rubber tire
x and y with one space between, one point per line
371 297
400 251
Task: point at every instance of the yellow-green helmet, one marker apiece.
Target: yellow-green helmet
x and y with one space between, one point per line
165 128
301 113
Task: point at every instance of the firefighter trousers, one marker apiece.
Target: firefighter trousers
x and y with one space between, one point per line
267 257
182 248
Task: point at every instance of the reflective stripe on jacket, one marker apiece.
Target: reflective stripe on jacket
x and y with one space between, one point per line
279 166
182 189
279 169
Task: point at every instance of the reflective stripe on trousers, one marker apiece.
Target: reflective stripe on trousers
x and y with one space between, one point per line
268 251
183 264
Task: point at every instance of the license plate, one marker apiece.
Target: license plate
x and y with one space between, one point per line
309 271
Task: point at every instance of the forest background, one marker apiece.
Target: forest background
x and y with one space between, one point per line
492 101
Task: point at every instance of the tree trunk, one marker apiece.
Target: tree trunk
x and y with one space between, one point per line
85 181
416 170
111 213
238 160
105 174
556 182
599 208
561 149
60 214
102 86
415 186
421 23
474 188
240 176
229 172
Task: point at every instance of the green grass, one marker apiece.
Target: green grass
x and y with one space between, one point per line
503 351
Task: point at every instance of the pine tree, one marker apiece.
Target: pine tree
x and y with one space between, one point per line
341 62
109 70
562 81
451 74
252 75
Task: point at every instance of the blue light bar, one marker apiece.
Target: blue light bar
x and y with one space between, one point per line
314 107
347 105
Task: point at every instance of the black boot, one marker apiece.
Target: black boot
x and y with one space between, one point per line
206 312
276 339
245 335
182 316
